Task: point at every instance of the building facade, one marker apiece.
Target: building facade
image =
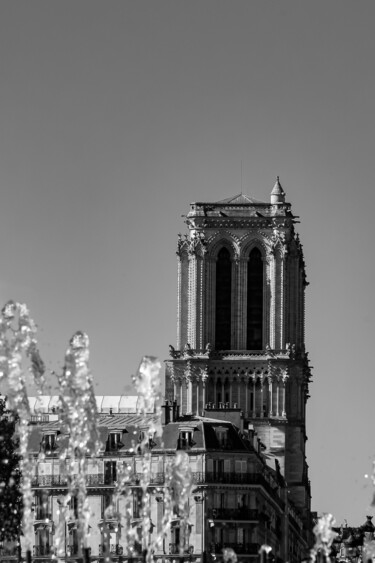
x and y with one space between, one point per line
236 388
237 501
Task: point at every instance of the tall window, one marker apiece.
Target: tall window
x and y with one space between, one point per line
255 301
110 472
223 300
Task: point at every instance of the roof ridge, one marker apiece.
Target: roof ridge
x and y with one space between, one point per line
240 199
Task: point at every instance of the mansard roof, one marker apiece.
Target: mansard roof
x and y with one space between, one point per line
126 404
240 199
129 425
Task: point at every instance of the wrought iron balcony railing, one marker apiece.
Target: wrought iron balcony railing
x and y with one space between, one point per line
239 548
73 550
233 514
62 480
93 480
237 478
174 548
114 549
9 551
42 550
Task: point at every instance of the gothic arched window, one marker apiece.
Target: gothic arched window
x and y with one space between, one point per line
255 301
223 300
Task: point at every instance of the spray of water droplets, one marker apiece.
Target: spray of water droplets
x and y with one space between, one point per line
148 385
79 420
229 555
18 345
178 480
324 536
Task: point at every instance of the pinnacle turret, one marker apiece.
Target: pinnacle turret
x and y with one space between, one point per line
277 194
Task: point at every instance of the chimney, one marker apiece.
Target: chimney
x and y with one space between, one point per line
166 414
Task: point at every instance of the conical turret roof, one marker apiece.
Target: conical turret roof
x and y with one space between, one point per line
277 194
277 189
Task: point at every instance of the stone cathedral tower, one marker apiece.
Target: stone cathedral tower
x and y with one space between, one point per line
240 351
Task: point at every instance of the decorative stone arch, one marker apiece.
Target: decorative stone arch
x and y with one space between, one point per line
214 241
221 240
248 244
251 242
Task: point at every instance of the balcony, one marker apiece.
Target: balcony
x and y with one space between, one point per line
238 548
155 478
174 548
92 480
42 550
49 480
9 551
244 514
73 550
115 549
237 479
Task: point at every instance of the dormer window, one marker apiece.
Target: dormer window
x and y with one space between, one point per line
185 440
145 440
49 442
114 441
222 436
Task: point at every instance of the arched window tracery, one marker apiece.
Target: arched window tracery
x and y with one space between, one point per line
223 308
254 339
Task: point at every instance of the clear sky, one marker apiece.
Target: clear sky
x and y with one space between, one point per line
115 115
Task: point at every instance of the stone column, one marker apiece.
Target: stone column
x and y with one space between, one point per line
270 412
189 391
230 379
254 395
246 385
277 397
282 299
283 413
181 396
242 303
261 396
196 384
175 396
273 301
204 379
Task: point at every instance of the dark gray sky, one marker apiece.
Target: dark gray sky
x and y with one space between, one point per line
116 115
